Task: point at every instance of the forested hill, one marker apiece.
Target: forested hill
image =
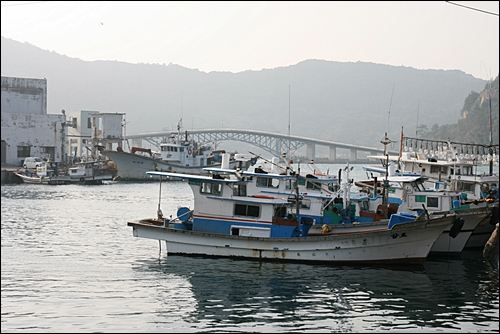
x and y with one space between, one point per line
350 102
474 123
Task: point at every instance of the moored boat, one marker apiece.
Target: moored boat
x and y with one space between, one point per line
85 173
229 221
178 153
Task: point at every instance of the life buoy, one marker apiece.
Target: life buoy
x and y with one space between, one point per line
190 151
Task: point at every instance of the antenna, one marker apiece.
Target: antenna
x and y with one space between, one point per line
390 105
288 152
418 111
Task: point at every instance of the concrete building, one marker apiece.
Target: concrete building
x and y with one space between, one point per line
26 127
90 129
27 130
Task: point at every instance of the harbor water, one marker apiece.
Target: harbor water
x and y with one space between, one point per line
71 264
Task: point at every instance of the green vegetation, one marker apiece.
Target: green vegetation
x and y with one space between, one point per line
474 125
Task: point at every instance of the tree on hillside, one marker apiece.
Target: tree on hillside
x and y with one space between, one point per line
474 124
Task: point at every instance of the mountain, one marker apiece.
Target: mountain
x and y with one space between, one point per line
352 102
474 123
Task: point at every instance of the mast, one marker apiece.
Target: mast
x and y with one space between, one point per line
491 135
385 194
288 151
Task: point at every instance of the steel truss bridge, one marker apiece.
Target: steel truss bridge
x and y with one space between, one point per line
274 143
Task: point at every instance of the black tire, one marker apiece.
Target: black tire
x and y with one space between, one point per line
458 223
82 180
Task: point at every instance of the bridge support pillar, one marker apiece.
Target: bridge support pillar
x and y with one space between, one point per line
310 151
332 153
353 155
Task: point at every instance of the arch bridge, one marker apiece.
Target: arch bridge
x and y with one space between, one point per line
274 143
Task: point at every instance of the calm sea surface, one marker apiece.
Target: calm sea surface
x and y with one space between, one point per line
71 264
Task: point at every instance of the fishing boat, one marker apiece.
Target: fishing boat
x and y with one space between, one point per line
446 181
409 194
448 165
228 221
178 153
336 209
85 173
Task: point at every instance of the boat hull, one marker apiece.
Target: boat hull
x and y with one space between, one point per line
133 167
480 235
447 244
406 243
63 179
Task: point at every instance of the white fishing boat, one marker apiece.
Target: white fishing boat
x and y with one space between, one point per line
335 209
410 188
178 153
445 182
447 165
226 221
85 173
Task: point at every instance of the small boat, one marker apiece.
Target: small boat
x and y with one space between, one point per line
86 173
178 153
230 219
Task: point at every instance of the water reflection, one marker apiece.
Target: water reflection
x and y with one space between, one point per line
244 295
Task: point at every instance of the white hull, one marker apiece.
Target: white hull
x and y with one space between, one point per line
133 167
406 243
446 244
53 180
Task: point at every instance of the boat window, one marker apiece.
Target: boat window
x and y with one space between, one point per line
267 182
280 211
467 170
418 186
211 188
313 186
246 210
437 169
465 186
240 190
333 187
432 202
364 206
305 204
290 184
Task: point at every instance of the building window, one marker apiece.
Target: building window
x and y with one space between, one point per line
23 151
89 123
47 152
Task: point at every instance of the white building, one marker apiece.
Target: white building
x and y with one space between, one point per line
90 129
26 129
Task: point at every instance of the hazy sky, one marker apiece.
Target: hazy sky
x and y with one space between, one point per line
239 36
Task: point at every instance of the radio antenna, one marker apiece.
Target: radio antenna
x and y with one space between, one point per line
390 105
